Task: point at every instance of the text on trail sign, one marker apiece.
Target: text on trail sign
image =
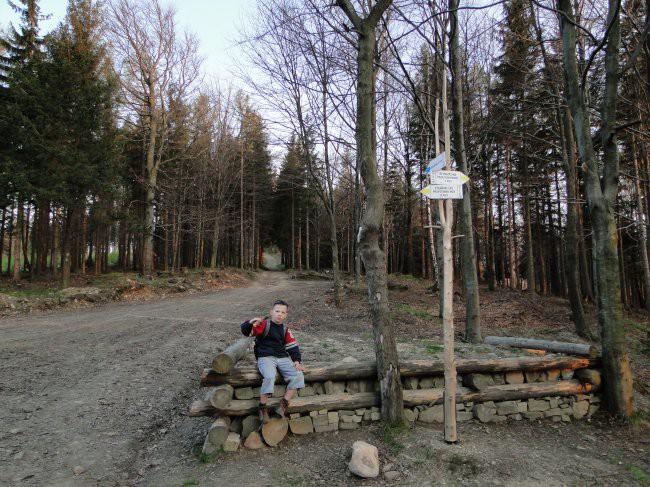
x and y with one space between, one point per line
443 191
448 177
436 164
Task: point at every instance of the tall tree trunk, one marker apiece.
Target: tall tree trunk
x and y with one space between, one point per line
601 198
371 225
468 253
151 175
17 236
643 240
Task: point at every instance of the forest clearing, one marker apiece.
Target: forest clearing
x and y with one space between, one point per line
443 206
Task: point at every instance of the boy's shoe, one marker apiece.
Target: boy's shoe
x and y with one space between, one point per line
263 412
281 410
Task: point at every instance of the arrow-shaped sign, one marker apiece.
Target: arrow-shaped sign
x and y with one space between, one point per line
448 177
443 191
436 164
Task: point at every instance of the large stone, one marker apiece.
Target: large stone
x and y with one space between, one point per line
433 414
92 294
507 407
365 460
254 441
484 413
515 377
232 442
478 381
244 393
301 426
538 405
249 424
553 412
464 416
334 387
534 415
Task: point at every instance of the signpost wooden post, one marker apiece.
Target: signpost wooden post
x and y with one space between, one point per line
447 185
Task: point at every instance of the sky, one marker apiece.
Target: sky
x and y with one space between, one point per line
215 22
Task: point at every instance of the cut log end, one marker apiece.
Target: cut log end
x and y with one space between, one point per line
201 408
275 430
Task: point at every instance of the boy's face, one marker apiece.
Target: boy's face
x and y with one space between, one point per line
279 313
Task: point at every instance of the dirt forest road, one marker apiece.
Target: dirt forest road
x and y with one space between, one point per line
88 389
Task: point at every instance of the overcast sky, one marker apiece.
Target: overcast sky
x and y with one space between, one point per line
215 22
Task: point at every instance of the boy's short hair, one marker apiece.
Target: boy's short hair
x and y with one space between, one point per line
281 302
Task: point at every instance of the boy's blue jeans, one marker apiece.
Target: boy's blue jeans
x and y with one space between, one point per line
268 367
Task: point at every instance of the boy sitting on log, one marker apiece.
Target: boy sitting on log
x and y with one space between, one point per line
275 349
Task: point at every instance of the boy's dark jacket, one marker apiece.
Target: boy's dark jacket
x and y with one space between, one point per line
273 344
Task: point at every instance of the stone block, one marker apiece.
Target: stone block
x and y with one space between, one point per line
367 415
566 418
409 415
538 405
345 412
334 387
514 377
306 391
507 407
498 379
478 381
553 412
357 419
318 388
313 414
326 428
347 419
433 414
410 383
439 381
485 413
323 411
320 420
535 376
256 391
567 374
301 426
593 408
516 417
426 383
460 406
352 387
553 374
375 416
522 406
332 417
554 402
359 412
232 442
294 415
236 424
556 419
349 426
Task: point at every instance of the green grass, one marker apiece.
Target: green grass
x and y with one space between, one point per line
639 474
462 465
434 349
393 436
638 418
190 483
413 311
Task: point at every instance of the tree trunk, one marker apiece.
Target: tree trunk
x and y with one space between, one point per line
601 198
468 253
17 236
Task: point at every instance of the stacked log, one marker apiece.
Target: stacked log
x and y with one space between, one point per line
345 395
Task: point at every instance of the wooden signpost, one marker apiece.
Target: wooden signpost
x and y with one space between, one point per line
447 185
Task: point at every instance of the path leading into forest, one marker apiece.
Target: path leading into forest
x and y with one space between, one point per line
87 388
104 391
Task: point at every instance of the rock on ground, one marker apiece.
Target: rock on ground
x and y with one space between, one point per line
365 460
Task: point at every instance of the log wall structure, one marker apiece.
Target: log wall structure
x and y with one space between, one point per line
343 396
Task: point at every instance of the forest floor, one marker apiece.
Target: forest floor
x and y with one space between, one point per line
98 396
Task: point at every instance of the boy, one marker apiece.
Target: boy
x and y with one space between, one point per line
275 349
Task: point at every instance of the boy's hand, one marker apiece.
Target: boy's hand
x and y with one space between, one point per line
298 366
255 321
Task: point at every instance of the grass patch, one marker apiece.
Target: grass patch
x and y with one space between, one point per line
639 474
190 483
413 311
393 436
434 349
639 419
